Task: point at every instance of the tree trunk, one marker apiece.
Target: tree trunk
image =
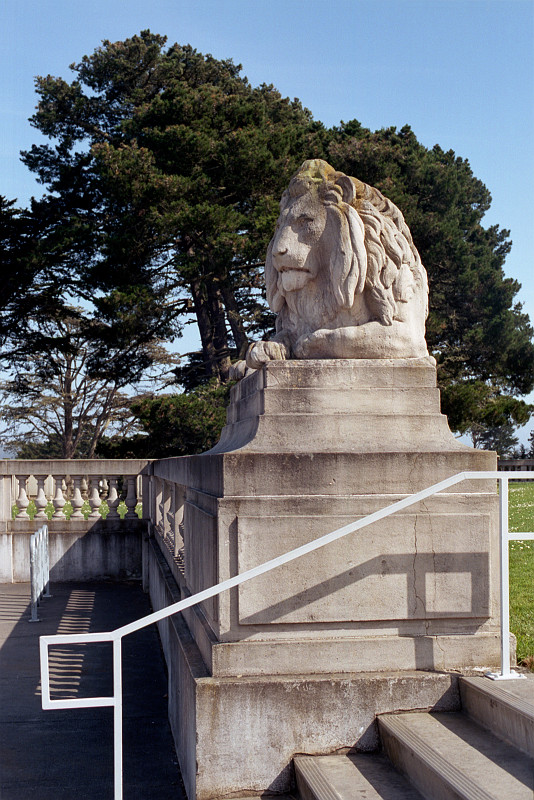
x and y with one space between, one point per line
204 326
209 310
236 321
68 442
220 334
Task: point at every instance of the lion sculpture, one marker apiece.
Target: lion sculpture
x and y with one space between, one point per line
342 274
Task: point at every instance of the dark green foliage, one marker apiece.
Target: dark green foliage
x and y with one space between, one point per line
475 406
26 286
163 178
501 440
173 425
482 341
168 168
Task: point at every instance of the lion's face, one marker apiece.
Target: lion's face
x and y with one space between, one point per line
317 253
341 256
296 245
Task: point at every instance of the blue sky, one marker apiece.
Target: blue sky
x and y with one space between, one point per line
460 72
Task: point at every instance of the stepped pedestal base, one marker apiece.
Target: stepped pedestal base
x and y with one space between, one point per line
310 446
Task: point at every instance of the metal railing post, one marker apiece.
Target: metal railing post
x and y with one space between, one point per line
39 569
117 717
46 534
505 537
34 579
505 578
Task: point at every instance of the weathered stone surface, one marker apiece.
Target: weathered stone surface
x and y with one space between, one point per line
342 273
238 733
282 664
410 566
356 405
78 550
426 572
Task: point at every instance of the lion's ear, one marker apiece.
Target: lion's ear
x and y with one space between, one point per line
348 268
347 188
274 297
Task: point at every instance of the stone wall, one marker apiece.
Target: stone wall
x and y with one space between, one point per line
303 658
82 551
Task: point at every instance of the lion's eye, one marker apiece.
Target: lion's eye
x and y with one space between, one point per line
304 220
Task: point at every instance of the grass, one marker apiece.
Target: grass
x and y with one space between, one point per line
521 518
85 509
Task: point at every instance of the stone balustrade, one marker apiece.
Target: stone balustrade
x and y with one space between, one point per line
97 512
516 465
167 516
84 484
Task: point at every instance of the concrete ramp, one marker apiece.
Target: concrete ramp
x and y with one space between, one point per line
68 755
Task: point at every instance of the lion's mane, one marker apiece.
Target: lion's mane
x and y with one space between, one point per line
385 267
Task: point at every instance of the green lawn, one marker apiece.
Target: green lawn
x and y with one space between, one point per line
521 518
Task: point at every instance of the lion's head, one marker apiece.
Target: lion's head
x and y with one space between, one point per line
341 252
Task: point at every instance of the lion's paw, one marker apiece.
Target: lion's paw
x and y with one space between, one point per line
260 353
239 370
312 345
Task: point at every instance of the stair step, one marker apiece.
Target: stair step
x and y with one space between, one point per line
362 776
506 708
447 756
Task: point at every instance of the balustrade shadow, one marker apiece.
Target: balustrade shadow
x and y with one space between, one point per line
59 755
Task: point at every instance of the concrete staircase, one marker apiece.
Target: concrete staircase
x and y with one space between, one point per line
485 752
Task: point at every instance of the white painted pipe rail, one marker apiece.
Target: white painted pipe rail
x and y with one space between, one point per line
504 541
115 636
39 569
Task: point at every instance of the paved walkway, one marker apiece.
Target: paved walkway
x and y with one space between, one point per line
68 755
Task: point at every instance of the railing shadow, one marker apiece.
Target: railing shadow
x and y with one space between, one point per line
474 565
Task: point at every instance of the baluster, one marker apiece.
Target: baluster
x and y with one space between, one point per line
179 521
22 499
170 514
113 499
40 500
59 499
166 509
131 499
145 495
77 499
94 498
7 496
159 505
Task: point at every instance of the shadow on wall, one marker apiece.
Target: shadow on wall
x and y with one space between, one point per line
79 549
420 591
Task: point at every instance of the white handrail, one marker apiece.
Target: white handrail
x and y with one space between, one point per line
39 569
505 538
115 636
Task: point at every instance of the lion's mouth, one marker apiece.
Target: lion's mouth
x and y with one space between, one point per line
293 278
286 268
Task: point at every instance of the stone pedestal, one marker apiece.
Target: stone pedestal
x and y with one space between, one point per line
310 446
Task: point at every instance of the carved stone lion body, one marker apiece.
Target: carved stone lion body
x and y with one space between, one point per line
342 274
